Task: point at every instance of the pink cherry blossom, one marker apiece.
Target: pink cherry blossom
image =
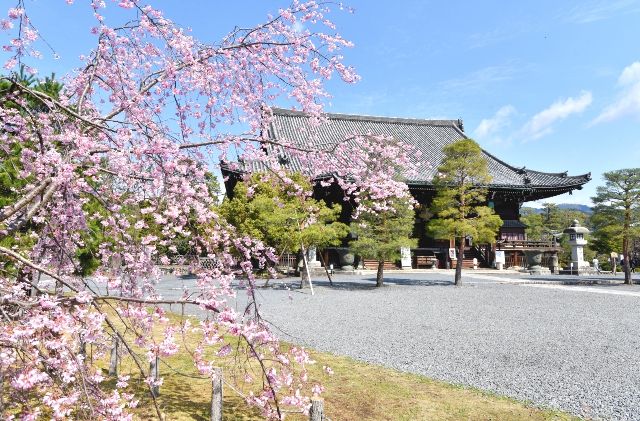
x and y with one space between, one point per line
125 151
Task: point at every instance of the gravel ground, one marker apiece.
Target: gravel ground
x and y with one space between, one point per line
563 347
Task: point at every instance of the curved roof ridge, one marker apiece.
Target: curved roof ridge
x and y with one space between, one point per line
559 174
500 161
361 117
524 170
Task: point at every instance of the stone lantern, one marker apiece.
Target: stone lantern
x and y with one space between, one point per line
577 242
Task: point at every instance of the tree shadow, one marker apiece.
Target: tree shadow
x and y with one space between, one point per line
370 283
601 284
416 282
588 280
183 398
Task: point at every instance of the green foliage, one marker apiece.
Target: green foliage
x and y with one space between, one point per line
11 183
550 222
274 212
536 229
459 206
607 223
616 212
213 186
49 86
381 235
10 165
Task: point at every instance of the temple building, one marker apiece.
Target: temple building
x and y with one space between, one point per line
510 187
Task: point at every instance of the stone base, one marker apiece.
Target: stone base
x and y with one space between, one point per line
537 270
317 271
583 271
313 271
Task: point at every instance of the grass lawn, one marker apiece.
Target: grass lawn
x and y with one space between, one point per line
356 391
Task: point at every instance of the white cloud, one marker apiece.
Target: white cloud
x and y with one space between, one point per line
593 11
628 103
490 126
480 79
541 124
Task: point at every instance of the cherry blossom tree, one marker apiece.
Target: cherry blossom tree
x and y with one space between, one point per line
128 146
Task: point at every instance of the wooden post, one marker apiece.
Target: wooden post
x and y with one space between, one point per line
153 373
216 394
317 410
326 268
1 392
83 349
306 269
113 363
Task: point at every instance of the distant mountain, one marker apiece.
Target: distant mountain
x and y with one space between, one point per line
568 206
576 206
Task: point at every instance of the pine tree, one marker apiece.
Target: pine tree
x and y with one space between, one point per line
381 235
622 192
282 216
459 206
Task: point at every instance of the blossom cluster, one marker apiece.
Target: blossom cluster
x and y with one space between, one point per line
116 166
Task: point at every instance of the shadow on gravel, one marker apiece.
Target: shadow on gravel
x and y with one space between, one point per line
348 286
586 281
415 282
370 283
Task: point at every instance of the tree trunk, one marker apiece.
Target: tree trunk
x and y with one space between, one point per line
326 267
625 246
458 277
380 274
305 282
627 270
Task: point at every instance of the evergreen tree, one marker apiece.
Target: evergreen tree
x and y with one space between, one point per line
547 224
607 223
459 206
536 229
381 235
283 215
621 195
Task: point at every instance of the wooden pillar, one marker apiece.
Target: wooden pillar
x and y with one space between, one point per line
1 392
216 394
317 410
153 373
113 362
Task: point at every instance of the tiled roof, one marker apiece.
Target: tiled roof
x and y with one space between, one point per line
428 136
513 223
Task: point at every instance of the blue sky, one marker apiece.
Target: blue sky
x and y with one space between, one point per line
549 85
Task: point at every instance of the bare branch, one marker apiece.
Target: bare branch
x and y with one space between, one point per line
32 265
48 101
10 210
20 222
151 301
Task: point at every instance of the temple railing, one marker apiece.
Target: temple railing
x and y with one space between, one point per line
527 245
485 253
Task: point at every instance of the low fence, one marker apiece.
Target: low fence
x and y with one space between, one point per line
287 263
518 259
526 245
316 412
